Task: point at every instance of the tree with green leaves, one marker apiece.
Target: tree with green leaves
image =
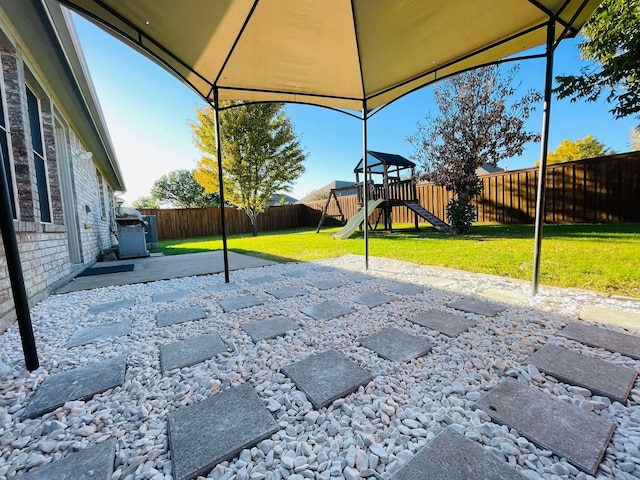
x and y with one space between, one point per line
570 150
478 124
261 154
145 202
612 44
634 141
181 190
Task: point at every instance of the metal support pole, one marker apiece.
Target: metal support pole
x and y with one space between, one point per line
14 267
544 147
365 187
223 220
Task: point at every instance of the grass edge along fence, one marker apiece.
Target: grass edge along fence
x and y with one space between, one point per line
595 190
179 223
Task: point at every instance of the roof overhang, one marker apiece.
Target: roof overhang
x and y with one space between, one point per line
48 33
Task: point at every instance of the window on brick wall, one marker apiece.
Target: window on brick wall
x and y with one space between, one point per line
103 210
37 143
4 150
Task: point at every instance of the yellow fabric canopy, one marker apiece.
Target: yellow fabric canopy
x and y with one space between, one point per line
351 54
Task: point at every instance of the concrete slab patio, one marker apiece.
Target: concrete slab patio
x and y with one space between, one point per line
164 268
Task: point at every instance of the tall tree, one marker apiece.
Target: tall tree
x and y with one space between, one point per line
570 150
475 126
180 189
612 44
145 202
634 141
261 154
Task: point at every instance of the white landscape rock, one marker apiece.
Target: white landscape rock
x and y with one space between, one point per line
370 433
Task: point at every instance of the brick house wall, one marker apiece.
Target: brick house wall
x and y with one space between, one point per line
44 245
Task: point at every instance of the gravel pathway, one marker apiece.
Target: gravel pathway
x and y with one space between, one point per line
369 434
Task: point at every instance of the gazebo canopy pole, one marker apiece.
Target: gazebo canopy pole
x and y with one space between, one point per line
365 187
223 220
544 146
20 298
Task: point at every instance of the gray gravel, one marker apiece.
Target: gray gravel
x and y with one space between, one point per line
368 434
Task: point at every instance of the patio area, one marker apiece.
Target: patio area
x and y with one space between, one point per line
318 370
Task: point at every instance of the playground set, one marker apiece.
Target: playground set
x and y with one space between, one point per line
392 192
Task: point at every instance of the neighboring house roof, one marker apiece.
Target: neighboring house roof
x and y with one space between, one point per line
277 198
48 30
377 160
322 192
486 169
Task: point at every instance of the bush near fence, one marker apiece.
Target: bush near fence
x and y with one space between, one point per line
604 189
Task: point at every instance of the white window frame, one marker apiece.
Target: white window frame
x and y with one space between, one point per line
42 157
6 129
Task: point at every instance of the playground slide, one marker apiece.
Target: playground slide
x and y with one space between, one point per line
354 222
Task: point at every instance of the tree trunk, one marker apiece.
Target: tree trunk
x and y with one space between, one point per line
253 218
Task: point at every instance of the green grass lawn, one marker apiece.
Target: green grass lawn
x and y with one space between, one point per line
604 257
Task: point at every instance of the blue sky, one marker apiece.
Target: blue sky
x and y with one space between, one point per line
147 112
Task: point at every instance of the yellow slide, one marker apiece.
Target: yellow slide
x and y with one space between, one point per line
354 222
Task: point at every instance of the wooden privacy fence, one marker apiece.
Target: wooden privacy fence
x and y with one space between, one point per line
604 189
203 222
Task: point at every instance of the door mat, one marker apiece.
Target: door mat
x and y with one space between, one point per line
111 269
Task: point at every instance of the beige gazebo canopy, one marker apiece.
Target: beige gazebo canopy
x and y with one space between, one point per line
341 53
345 54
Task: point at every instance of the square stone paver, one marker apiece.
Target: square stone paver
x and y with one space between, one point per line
359 277
181 315
170 296
287 292
594 336
189 352
451 456
112 306
326 311
326 269
611 316
602 378
297 273
505 296
403 288
448 323
92 463
479 307
437 282
269 328
221 287
579 436
263 279
326 377
95 333
217 429
372 299
79 383
396 345
245 301
326 284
